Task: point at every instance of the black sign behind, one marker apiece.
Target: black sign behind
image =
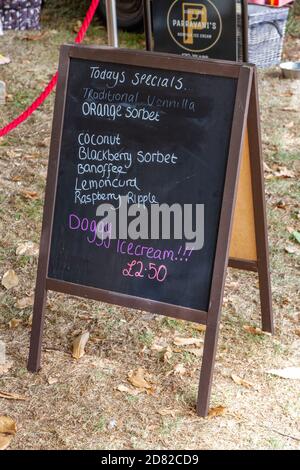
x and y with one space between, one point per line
155 136
198 28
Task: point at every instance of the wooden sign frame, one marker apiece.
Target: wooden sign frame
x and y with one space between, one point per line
149 28
245 112
260 263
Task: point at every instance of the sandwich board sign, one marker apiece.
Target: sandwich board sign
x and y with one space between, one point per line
214 29
145 130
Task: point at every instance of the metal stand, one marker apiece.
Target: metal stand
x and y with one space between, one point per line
112 25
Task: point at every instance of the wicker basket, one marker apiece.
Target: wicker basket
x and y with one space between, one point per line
266 34
20 14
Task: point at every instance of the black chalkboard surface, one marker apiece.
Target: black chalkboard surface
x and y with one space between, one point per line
107 119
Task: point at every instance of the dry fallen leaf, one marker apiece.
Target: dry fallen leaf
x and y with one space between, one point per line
217 411
16 178
239 381
267 169
13 154
77 26
287 373
187 341
168 412
199 327
252 330
12 396
7 425
195 351
281 204
52 380
159 345
29 194
296 166
289 125
297 332
4 368
287 93
130 391
35 37
5 441
10 279
25 302
27 249
137 379
14 323
44 143
284 172
79 344
292 250
168 354
179 369
8 429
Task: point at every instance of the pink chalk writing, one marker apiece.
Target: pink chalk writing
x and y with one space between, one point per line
135 249
152 271
100 234
97 233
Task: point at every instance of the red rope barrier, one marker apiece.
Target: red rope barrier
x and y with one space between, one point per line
46 92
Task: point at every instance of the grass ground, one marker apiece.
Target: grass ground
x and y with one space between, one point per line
78 404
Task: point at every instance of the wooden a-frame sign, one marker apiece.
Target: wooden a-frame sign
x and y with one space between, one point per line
242 233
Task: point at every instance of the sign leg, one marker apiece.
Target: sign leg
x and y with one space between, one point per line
265 298
34 360
222 252
206 376
261 227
